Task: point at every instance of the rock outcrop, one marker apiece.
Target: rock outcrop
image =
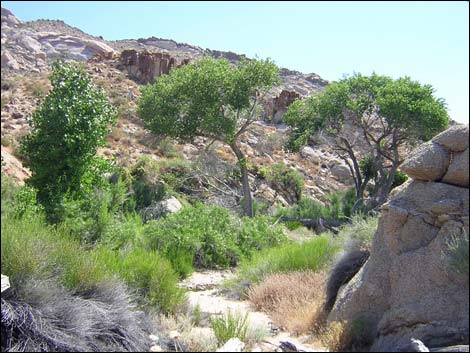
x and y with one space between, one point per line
143 67
408 289
28 46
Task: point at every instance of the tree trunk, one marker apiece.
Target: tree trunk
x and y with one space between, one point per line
247 198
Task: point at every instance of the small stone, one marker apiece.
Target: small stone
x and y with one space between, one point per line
156 348
154 338
174 335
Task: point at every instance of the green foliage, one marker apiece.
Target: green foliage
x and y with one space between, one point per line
200 99
31 249
388 114
312 255
284 179
149 273
258 233
209 237
229 326
458 259
209 98
339 207
203 236
399 179
358 234
66 130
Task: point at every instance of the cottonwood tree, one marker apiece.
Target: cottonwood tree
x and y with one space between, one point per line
66 129
372 120
209 98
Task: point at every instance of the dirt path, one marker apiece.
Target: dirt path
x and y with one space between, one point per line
204 292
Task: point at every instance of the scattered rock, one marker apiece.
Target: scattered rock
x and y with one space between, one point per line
232 345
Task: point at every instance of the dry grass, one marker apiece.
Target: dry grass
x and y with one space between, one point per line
191 337
295 301
341 336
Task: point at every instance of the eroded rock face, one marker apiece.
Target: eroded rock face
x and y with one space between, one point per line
144 67
407 288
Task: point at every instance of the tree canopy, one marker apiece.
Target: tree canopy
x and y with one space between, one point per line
375 115
209 98
66 129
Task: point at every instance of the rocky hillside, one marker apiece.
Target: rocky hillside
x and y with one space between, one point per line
121 67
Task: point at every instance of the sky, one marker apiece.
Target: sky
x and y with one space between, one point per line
427 41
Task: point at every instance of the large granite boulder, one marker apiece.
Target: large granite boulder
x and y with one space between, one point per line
408 289
444 158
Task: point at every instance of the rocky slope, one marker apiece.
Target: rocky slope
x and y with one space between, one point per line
408 288
120 67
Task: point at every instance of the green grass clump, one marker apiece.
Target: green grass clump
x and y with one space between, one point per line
458 246
359 233
229 326
312 255
147 272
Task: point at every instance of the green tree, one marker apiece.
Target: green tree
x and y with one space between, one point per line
212 99
66 129
375 117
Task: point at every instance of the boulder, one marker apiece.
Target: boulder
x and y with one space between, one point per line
309 153
407 291
428 162
342 173
457 173
161 209
8 61
455 138
232 345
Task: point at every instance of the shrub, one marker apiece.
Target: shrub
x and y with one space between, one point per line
32 249
311 255
229 326
67 128
458 247
149 273
284 180
203 236
44 317
346 336
339 207
294 300
209 237
258 233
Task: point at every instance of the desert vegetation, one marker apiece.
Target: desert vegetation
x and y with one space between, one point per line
94 253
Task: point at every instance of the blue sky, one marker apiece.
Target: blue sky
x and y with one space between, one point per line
427 41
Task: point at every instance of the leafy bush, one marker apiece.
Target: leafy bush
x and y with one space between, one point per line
338 208
203 236
209 237
67 128
229 326
258 233
285 180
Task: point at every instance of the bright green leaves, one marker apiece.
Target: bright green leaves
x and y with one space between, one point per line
402 105
69 125
412 107
205 98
